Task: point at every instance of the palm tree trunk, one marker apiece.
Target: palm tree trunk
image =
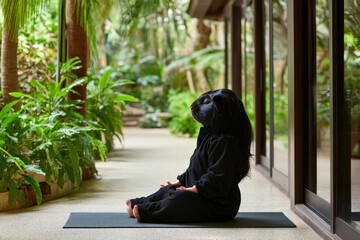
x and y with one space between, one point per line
77 46
9 76
202 41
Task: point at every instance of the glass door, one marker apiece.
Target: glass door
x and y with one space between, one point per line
325 116
266 153
347 105
274 104
248 57
279 92
318 164
322 101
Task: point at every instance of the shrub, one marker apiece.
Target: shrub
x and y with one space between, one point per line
105 105
58 139
179 108
14 164
46 136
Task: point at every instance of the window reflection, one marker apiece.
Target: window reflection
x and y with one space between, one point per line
276 86
248 63
352 98
322 99
266 161
280 85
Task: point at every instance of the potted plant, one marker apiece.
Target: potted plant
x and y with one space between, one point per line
17 186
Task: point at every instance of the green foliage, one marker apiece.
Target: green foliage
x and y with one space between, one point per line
182 121
46 136
91 14
249 104
37 43
281 114
59 138
156 27
149 86
352 75
105 105
202 58
352 91
17 13
211 59
14 167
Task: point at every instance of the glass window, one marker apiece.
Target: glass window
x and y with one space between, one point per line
322 100
352 99
280 86
266 158
248 64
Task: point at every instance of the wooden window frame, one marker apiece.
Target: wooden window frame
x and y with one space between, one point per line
301 69
264 162
340 127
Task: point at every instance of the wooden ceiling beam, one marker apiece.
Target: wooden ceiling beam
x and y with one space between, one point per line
199 8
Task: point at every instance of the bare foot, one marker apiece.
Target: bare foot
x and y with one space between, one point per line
128 208
136 213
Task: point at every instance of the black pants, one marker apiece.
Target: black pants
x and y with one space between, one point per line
171 205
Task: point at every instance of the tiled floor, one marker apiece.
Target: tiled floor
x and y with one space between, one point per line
148 158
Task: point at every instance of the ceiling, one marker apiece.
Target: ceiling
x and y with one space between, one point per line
207 9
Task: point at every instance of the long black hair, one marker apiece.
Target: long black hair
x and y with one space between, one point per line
230 117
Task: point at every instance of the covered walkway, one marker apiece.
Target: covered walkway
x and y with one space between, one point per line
149 157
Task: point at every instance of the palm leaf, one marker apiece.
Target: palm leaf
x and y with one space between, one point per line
91 14
206 57
17 12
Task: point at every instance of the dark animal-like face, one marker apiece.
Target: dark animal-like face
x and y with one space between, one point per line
221 110
205 107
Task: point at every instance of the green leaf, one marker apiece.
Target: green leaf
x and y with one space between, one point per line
19 163
104 79
122 82
54 91
5 110
8 120
15 195
36 187
72 64
19 95
34 168
125 98
38 85
17 13
65 132
100 147
74 84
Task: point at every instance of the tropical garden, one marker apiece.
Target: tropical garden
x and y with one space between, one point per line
72 69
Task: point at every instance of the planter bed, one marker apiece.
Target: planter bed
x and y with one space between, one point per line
50 192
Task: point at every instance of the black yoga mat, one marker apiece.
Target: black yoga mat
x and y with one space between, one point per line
355 216
122 220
